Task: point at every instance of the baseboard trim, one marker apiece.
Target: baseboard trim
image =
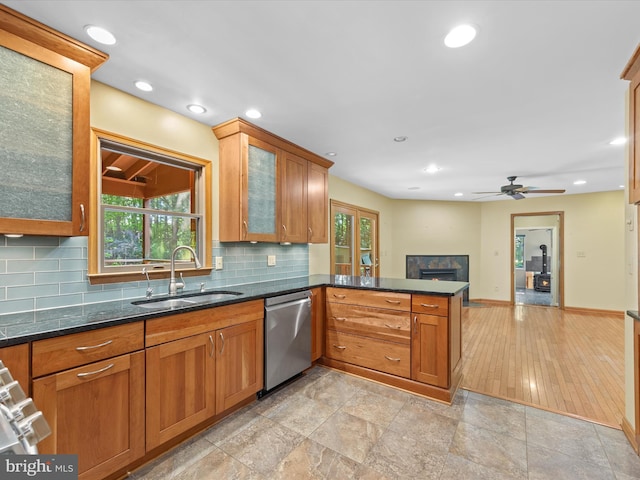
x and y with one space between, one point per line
595 311
587 311
630 433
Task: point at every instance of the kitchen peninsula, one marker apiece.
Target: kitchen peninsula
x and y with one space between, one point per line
160 375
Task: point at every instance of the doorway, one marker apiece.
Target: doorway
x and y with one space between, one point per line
354 240
537 251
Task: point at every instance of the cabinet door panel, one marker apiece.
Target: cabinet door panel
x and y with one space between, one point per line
317 323
239 357
95 411
260 189
317 203
429 352
180 387
293 202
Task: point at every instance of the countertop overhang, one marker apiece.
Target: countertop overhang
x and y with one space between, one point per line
17 328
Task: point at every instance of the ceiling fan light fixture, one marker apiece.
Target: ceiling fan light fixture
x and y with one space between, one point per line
460 36
400 139
100 34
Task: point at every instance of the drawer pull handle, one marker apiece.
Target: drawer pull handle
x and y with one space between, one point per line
397 327
82 349
339 347
340 319
339 296
427 305
87 374
395 302
392 359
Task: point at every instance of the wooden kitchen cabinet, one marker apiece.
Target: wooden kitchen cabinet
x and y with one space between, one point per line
90 389
436 338
97 412
369 336
239 363
317 323
271 190
16 359
44 152
200 364
180 386
632 74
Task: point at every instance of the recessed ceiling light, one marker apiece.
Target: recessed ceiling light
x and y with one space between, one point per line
253 113
579 182
401 138
460 36
459 194
331 154
100 35
621 186
413 188
618 141
144 86
432 169
193 108
113 168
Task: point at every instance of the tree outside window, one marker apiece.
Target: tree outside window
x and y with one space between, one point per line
519 251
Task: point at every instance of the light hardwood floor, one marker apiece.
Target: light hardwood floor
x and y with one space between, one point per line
561 361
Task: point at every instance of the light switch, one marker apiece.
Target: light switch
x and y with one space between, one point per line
271 260
218 263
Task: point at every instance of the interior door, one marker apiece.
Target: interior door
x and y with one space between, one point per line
354 240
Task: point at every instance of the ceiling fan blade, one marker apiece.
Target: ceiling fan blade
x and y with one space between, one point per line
491 194
517 196
544 191
486 193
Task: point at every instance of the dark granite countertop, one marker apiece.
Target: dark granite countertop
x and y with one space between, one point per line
633 314
16 328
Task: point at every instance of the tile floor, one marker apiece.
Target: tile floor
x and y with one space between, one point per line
329 425
527 296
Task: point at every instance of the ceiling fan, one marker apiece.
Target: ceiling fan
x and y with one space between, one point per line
516 191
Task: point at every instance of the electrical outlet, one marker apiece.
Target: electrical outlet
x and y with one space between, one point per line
218 263
271 260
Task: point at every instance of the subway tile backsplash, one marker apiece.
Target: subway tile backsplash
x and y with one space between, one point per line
38 273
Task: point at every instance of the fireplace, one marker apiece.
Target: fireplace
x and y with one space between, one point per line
447 274
440 268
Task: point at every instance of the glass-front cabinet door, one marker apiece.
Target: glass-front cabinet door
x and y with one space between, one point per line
260 210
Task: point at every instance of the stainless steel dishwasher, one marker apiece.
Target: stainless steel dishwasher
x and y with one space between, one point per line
287 338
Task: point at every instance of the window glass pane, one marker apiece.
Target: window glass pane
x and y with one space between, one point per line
519 251
122 238
180 202
343 244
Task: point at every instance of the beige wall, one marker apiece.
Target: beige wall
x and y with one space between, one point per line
593 224
343 191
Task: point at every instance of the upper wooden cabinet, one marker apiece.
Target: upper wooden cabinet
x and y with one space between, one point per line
44 128
632 73
271 190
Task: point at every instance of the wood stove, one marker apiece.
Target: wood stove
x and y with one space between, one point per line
542 280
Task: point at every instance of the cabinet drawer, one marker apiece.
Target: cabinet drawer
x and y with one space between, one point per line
62 353
430 304
387 357
383 324
370 298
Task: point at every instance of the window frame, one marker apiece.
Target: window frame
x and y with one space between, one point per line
203 204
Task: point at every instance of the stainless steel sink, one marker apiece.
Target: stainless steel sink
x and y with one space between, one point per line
187 299
166 303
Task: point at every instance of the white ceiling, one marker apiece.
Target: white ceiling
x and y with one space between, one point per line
537 94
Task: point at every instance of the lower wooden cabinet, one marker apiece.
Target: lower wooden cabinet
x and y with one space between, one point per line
429 345
97 412
317 323
16 359
239 363
180 386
